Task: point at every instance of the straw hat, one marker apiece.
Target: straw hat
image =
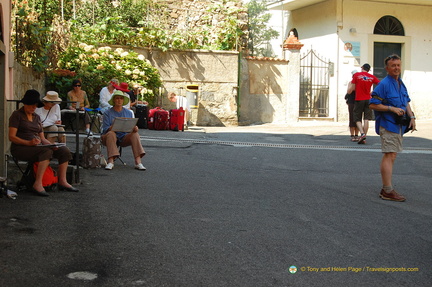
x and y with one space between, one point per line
119 93
52 96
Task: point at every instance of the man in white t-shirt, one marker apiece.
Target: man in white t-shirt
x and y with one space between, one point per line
180 102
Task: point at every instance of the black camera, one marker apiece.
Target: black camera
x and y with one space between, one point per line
403 120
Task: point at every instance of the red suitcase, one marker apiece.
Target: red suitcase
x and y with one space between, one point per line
161 120
176 119
151 118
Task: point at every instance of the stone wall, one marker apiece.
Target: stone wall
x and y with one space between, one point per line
25 78
215 73
267 93
191 14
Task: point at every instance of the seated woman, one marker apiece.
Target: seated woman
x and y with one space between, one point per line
110 138
26 135
51 118
80 96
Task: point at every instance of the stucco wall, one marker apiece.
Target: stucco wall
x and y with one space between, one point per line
6 86
321 36
263 91
416 45
325 27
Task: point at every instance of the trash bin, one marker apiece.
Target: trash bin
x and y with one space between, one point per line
192 96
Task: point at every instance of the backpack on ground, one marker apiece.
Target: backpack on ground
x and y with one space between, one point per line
49 179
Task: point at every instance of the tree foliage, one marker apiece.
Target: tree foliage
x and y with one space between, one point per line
259 31
49 35
95 66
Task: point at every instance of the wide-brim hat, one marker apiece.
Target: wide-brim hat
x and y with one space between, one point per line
119 93
122 87
52 96
32 97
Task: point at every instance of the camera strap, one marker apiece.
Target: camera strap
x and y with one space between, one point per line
384 101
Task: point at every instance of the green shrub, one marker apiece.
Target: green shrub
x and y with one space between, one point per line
96 66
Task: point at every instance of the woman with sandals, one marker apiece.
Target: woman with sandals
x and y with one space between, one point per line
27 138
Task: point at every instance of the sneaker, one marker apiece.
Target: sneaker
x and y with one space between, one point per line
109 166
140 166
393 195
11 194
361 138
363 142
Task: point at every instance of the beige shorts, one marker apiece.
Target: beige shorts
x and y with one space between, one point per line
390 142
53 128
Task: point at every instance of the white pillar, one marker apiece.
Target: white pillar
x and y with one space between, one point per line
292 53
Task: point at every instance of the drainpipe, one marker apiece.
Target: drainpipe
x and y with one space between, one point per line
238 84
283 27
338 28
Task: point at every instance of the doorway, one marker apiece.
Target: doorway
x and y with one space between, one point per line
314 85
381 51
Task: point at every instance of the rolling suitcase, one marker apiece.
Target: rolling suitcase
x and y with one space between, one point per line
176 119
150 121
142 115
161 120
158 119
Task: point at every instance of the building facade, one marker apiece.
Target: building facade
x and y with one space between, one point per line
350 33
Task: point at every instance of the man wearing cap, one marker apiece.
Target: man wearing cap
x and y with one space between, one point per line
361 83
113 139
51 117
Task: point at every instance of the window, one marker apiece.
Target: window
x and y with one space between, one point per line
389 25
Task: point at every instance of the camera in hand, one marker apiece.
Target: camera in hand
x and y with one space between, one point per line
403 120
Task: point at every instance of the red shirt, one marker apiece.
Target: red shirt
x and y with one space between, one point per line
363 82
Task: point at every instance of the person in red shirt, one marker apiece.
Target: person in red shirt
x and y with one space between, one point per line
361 84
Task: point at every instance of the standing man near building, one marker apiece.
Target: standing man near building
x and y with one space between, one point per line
390 101
180 102
361 84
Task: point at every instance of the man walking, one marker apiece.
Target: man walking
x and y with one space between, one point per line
390 101
361 84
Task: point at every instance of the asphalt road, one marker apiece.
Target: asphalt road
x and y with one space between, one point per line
231 207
